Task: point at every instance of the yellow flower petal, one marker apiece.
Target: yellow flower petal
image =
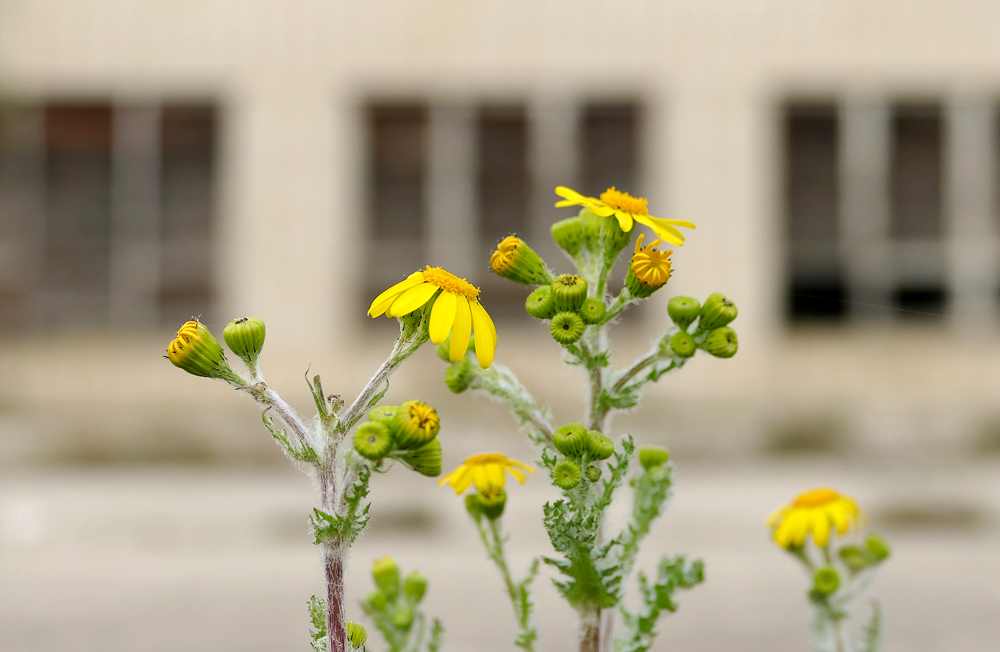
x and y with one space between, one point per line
601 210
461 330
624 221
485 342
517 474
569 194
511 463
443 316
663 229
821 528
463 481
494 475
412 299
389 295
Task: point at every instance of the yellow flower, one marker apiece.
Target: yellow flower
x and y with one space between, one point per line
650 265
456 311
814 512
627 209
486 470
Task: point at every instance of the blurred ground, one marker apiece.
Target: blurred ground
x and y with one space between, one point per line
205 558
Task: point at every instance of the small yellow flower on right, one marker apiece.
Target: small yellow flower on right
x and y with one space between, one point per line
814 512
627 210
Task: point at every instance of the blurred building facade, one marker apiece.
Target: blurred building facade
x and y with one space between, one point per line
160 160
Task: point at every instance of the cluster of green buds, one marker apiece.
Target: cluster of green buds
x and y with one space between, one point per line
564 302
856 559
195 350
588 231
581 449
394 604
406 432
710 320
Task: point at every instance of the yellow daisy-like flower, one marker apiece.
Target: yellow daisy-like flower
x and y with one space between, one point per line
650 265
815 512
627 209
486 470
457 311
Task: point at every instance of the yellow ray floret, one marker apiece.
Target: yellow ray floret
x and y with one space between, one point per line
814 512
457 311
627 210
486 470
650 265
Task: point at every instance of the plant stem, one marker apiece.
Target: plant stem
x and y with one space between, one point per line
333 564
493 541
401 350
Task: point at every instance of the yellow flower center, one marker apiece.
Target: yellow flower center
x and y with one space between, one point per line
486 458
622 201
816 498
423 416
651 266
503 258
451 283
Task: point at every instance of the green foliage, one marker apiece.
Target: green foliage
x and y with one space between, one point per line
873 631
651 490
400 621
345 528
303 454
317 614
592 581
640 627
618 469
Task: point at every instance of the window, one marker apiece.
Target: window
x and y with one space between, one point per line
105 214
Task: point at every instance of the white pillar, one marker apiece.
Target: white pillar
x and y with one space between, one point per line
553 160
452 216
973 266
865 147
135 217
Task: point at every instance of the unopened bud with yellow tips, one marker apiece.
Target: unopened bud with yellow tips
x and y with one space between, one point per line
722 342
415 424
570 234
540 304
195 351
717 311
684 311
649 269
513 259
372 440
569 292
651 457
415 586
385 572
356 633
245 338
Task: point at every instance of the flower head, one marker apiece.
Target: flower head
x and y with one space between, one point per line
197 352
649 269
486 470
456 311
813 512
513 259
627 209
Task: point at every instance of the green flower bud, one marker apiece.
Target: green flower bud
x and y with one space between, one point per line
567 327
854 558
826 581
245 338
878 547
653 456
372 440
722 342
459 375
356 633
472 506
377 600
425 460
593 473
717 312
612 236
416 424
683 345
569 292
569 234
492 501
384 414
570 440
592 224
592 311
599 447
415 586
540 303
684 311
444 348
402 617
513 259
566 474
195 351
385 572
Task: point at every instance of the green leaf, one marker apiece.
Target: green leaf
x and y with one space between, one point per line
437 636
304 454
591 579
652 488
317 614
873 630
672 574
623 400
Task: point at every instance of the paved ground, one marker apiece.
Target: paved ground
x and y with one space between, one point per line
214 559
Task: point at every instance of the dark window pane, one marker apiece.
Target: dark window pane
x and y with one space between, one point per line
610 148
187 141
811 171
503 171
817 301
78 225
916 172
398 158
920 302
